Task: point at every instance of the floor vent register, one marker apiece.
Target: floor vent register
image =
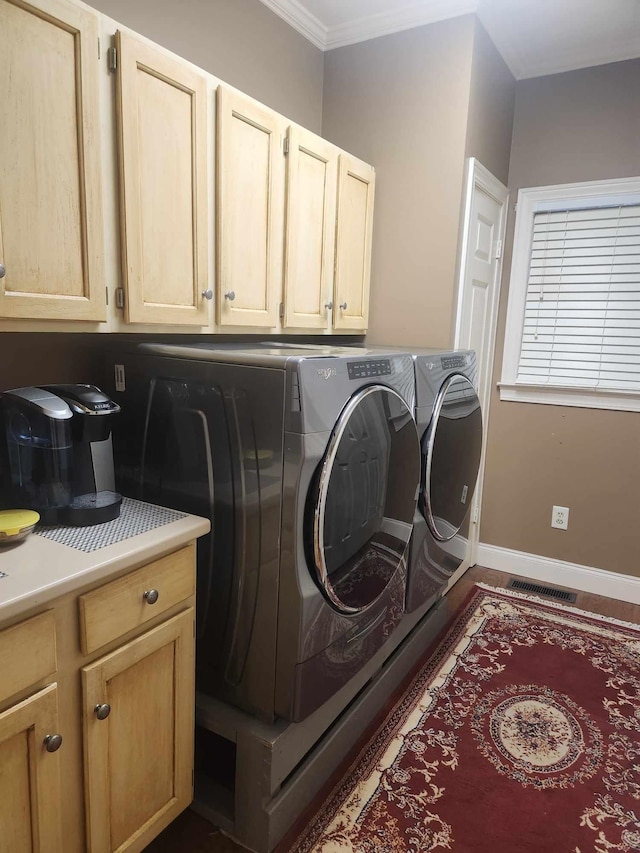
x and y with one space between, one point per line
539 589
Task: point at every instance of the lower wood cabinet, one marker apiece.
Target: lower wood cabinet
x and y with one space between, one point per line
138 736
97 701
30 789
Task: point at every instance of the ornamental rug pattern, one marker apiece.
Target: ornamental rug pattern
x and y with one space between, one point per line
520 733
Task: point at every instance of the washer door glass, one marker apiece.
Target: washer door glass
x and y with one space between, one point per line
451 448
365 498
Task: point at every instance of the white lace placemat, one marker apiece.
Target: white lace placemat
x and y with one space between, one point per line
135 517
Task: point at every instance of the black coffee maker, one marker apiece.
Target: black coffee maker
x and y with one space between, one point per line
56 455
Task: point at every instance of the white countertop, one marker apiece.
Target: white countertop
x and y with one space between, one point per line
39 570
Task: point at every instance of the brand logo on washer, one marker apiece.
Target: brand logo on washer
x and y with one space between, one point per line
326 372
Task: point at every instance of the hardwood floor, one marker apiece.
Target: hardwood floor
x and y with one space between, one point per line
190 833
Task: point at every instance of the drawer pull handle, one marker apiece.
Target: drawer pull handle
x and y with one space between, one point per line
343 305
52 743
151 596
102 711
328 305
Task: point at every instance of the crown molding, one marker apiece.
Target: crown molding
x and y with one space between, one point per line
406 17
394 21
542 66
300 19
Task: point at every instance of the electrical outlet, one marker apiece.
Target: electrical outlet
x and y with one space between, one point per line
560 517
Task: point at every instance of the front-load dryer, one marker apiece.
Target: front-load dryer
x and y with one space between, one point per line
449 423
308 464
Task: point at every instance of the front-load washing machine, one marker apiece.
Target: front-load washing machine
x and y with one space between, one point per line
308 464
449 423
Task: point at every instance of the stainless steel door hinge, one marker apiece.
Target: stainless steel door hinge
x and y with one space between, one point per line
112 59
119 297
498 249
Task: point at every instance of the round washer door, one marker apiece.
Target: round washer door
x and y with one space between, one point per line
451 448
364 499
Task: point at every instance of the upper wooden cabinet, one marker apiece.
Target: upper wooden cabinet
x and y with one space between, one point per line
162 129
249 211
51 226
312 180
292 228
356 185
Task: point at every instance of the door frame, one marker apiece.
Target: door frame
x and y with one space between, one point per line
479 179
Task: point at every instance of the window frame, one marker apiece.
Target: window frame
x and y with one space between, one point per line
532 200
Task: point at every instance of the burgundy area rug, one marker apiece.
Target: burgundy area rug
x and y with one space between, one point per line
521 734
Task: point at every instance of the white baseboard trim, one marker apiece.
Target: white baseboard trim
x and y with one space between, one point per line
572 575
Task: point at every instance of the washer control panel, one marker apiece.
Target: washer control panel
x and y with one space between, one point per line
453 362
369 369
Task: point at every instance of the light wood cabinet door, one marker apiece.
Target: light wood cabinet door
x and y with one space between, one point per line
356 185
249 211
30 776
162 129
51 224
139 758
312 181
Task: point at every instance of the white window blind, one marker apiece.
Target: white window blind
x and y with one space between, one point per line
582 307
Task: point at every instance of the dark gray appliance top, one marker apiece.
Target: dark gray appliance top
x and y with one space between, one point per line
263 355
320 379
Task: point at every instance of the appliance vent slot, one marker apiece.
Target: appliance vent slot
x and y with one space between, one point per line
538 589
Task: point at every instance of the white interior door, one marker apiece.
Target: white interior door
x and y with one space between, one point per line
481 244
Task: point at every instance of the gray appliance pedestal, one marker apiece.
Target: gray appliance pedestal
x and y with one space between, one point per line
278 769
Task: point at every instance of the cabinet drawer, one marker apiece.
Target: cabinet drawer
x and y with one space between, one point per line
122 605
28 653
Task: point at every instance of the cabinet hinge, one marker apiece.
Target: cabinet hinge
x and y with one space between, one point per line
285 145
106 295
281 311
98 47
515 207
112 59
119 297
475 514
498 249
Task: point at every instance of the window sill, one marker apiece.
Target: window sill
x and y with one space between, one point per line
579 397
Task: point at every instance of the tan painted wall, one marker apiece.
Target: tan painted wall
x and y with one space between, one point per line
491 105
400 102
30 359
240 41
579 126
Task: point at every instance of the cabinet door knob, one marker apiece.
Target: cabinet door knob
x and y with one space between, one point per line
151 595
2 271
328 305
102 711
343 305
207 294
52 743
230 295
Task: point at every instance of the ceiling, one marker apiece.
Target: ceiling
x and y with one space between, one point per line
535 37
